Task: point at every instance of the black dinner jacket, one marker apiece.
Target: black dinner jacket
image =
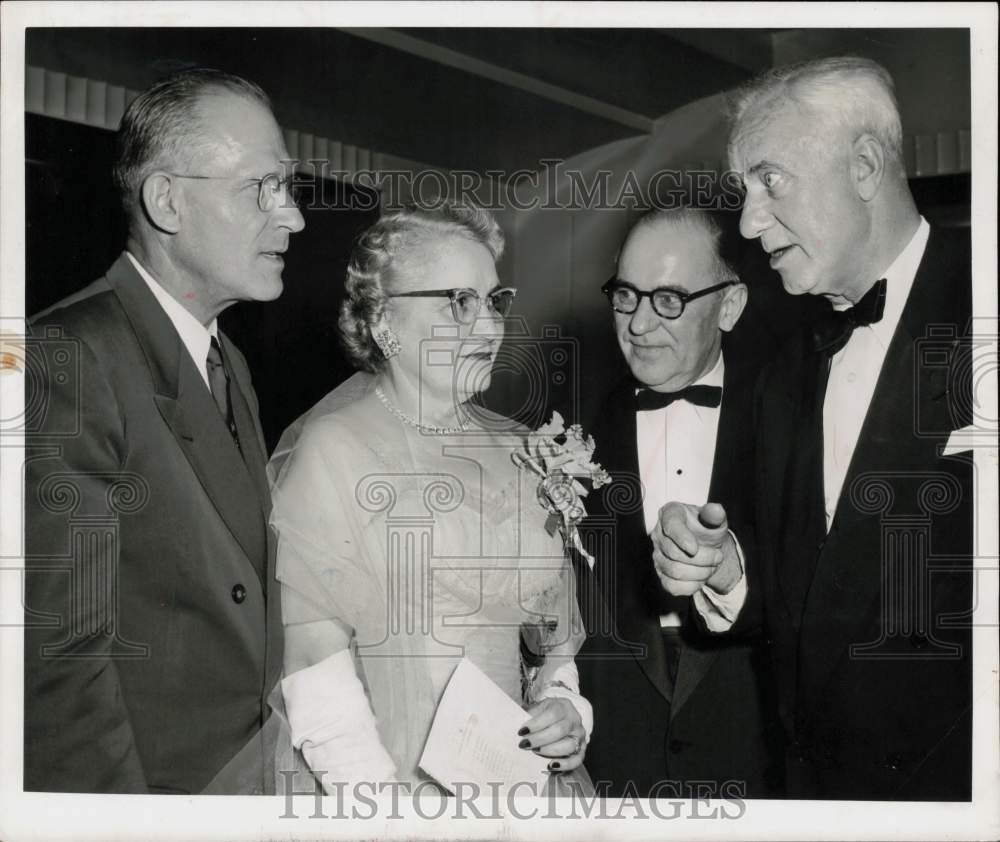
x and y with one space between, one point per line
875 695
718 723
154 623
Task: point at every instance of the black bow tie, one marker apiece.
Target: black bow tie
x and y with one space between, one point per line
647 399
831 333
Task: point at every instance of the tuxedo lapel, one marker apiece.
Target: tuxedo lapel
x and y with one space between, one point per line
630 578
187 407
849 577
733 452
733 441
780 423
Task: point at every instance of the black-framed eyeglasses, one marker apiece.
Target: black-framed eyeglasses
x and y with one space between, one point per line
667 303
269 187
467 303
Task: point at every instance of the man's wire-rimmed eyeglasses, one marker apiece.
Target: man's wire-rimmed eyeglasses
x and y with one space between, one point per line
466 303
667 303
269 187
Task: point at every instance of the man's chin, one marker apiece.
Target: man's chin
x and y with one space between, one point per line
270 290
796 284
650 371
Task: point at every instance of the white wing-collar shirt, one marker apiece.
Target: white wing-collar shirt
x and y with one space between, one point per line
676 447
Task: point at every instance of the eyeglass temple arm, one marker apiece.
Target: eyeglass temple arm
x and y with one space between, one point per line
448 293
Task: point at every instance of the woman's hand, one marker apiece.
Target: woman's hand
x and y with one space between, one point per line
555 730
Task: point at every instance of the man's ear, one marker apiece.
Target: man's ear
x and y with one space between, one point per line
160 202
867 166
733 303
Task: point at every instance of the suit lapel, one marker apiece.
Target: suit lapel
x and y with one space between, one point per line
733 443
849 578
782 405
732 451
186 406
693 666
631 575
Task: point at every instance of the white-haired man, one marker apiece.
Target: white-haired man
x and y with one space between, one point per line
857 495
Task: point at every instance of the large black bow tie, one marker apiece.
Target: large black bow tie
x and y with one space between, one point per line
647 399
831 333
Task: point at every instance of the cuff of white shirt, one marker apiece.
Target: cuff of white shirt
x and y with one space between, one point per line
718 610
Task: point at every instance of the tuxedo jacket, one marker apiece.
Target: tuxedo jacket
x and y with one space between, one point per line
873 662
153 620
717 722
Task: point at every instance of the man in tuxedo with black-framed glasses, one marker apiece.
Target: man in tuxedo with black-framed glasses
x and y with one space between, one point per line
675 709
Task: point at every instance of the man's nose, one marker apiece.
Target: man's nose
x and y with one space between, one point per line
289 216
644 319
488 323
755 218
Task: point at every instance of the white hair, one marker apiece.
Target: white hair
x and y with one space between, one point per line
854 93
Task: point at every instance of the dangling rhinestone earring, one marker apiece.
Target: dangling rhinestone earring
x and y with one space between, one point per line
387 341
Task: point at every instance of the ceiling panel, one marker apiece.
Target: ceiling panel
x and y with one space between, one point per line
642 70
333 84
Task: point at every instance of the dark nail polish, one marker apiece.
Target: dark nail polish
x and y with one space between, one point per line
523 731
554 764
524 744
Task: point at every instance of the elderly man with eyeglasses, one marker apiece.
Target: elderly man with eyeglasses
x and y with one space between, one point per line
147 546
677 713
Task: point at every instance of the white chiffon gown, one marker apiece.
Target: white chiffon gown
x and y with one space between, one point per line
430 547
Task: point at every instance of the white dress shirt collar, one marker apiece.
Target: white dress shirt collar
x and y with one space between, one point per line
195 336
855 370
899 279
676 453
714 376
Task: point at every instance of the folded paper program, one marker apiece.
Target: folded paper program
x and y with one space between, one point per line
473 739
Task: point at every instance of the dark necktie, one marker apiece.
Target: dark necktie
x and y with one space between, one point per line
647 399
218 381
831 333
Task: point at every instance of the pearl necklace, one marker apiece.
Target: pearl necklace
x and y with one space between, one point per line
412 422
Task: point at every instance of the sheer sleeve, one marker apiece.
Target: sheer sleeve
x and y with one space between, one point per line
322 563
334 476
560 637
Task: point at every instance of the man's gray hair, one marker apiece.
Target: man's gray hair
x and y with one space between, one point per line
853 92
162 127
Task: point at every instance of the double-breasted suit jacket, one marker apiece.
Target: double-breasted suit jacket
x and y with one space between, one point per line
153 620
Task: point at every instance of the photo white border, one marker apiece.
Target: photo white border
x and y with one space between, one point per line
104 817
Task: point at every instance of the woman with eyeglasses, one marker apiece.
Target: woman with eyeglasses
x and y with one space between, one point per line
407 536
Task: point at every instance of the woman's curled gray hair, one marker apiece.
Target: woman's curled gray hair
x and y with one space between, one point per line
377 255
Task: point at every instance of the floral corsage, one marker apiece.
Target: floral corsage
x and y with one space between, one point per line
561 458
